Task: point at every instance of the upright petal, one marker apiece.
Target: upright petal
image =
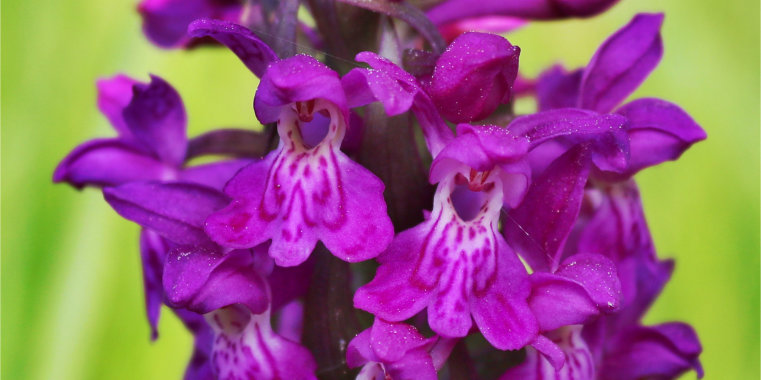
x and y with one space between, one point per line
473 76
156 117
539 227
251 50
621 63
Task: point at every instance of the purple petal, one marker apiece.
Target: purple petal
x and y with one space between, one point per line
563 354
658 131
571 125
246 347
156 117
251 50
484 24
199 367
664 351
398 90
407 12
539 227
557 88
506 322
557 301
473 76
290 321
297 79
110 162
165 22
598 275
203 279
390 295
453 10
416 365
621 63
114 94
483 148
215 174
334 200
153 250
174 210
290 283
390 341
359 351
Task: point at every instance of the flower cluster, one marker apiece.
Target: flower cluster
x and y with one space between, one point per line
509 246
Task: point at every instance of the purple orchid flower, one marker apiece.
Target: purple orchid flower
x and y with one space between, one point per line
456 263
473 76
579 363
658 130
306 189
165 22
390 350
151 145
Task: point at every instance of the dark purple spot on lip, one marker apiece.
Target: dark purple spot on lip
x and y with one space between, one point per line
239 221
307 172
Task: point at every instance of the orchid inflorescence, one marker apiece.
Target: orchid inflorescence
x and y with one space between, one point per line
507 246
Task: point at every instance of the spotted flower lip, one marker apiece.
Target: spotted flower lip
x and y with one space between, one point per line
306 189
456 263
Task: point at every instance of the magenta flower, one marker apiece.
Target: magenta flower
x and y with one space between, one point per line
536 239
307 189
456 263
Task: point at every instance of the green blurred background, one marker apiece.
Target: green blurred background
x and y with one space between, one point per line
72 304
